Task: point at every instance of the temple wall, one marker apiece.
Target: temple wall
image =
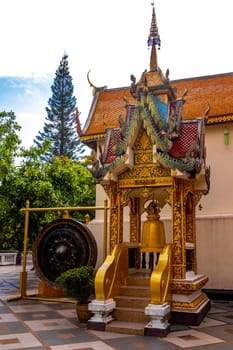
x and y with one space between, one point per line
214 250
97 228
220 158
215 219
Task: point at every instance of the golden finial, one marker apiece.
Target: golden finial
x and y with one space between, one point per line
153 41
92 85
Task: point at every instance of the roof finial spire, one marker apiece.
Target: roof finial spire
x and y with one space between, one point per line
153 40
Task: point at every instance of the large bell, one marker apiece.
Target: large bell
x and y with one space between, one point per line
153 234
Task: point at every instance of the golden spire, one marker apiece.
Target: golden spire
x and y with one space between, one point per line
153 40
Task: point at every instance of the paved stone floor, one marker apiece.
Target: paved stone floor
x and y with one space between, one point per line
39 325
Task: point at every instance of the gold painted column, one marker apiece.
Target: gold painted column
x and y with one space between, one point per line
116 218
189 304
178 230
135 232
135 220
191 259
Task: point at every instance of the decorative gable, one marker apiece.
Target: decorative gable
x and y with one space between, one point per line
143 149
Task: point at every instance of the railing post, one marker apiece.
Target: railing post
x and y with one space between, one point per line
23 275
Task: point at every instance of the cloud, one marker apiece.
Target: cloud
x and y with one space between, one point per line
32 92
109 37
31 124
27 98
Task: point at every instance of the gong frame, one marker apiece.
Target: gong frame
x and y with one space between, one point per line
61 245
23 274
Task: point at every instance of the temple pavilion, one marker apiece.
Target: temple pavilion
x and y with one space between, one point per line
150 160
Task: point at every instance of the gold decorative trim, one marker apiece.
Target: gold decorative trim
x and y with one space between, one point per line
149 182
146 171
92 137
187 287
218 120
189 307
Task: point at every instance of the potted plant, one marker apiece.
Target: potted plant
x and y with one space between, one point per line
78 283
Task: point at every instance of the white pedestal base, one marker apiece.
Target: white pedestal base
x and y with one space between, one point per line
102 310
158 315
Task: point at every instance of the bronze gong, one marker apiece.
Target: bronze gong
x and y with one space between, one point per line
61 245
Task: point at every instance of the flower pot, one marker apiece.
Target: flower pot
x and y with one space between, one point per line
83 313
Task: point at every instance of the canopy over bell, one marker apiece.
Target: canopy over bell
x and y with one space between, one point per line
153 234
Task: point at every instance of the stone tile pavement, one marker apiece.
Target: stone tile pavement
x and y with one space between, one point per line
39 325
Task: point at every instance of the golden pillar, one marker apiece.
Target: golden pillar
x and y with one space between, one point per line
135 220
116 217
189 303
178 230
191 259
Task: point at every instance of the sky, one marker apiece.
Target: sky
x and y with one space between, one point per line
107 38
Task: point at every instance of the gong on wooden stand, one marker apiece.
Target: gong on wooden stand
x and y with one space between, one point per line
61 245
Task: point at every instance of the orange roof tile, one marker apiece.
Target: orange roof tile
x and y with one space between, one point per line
217 90
110 105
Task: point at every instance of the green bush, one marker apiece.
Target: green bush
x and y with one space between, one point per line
77 283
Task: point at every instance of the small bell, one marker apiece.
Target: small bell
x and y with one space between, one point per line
153 234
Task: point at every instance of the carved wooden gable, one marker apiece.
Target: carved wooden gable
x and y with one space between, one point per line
145 171
143 149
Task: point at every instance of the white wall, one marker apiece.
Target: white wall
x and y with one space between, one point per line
215 250
220 158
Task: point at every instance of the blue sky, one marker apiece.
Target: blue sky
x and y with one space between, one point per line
27 97
25 93
107 37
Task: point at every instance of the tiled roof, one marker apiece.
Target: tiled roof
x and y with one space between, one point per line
188 140
110 144
217 90
110 105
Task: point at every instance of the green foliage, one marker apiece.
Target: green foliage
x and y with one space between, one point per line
60 127
63 182
48 175
77 283
9 142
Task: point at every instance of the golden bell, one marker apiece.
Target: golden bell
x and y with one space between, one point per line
153 234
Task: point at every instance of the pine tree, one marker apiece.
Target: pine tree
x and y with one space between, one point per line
60 125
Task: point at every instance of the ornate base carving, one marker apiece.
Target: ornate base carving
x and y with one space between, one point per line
158 325
189 304
102 310
191 318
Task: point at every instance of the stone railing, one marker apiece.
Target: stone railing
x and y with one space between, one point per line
7 258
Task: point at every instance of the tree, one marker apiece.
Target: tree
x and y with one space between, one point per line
62 182
9 149
9 142
60 125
